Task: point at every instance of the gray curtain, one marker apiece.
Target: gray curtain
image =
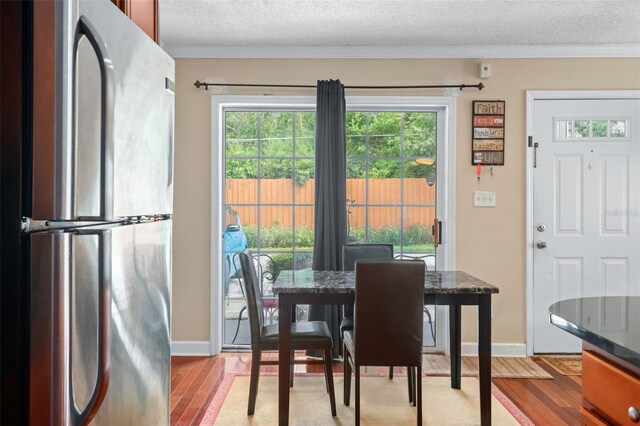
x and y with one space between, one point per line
330 195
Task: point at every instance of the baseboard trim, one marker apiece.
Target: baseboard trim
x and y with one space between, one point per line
497 349
202 348
190 348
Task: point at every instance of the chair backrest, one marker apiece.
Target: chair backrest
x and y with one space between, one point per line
353 252
388 312
253 295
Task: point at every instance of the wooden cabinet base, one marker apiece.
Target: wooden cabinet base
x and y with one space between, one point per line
587 418
610 389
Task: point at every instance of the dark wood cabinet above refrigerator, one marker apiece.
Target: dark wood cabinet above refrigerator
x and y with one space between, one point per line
143 12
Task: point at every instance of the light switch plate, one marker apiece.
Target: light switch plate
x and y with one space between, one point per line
484 199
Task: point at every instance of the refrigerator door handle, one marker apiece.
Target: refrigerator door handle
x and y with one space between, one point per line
104 331
86 28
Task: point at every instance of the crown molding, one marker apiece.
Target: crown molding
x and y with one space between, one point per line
410 52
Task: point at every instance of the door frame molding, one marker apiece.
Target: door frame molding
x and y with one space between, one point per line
446 174
534 95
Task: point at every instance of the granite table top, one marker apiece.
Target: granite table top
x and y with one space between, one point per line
611 323
435 282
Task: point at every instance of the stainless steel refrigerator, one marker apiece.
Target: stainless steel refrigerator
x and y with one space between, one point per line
91 282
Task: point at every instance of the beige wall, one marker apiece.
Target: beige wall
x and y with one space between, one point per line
490 242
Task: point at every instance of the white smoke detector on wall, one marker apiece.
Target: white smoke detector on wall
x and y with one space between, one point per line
485 70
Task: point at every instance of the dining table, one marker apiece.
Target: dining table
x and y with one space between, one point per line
449 288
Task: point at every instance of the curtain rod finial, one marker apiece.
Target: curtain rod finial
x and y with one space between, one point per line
197 84
480 86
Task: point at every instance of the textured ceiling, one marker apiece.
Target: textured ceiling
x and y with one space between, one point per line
286 23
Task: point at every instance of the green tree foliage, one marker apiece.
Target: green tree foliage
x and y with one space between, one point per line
270 134
374 144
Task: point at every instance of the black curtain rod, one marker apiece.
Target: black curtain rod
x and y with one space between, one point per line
206 85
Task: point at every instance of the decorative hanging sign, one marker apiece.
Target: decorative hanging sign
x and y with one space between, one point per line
488 133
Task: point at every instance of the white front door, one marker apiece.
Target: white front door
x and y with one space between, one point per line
586 210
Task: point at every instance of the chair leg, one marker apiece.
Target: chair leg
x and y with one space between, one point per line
327 364
356 371
293 354
253 384
328 374
410 384
419 393
414 382
235 336
347 377
390 372
326 378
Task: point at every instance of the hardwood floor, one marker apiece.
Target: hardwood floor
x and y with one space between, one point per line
194 381
546 402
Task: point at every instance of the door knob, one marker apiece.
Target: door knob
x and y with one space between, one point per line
541 244
634 414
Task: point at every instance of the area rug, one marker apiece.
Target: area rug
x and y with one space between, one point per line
501 367
565 365
383 402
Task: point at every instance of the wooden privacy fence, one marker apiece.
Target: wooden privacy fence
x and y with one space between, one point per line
276 200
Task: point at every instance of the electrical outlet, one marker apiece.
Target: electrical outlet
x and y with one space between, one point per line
484 199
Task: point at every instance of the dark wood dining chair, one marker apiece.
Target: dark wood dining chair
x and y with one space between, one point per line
351 253
304 335
387 328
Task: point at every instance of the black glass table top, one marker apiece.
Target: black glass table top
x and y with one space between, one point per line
610 323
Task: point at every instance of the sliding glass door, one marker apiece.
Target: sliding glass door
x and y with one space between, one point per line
269 187
391 186
268 193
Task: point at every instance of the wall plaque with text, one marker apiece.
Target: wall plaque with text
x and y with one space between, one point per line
488 133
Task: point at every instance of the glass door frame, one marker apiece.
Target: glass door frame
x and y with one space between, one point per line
445 177
445 106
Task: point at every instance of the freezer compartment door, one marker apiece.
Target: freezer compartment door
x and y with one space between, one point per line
59 260
48 324
139 348
123 114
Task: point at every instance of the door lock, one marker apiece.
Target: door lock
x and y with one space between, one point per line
541 244
541 227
